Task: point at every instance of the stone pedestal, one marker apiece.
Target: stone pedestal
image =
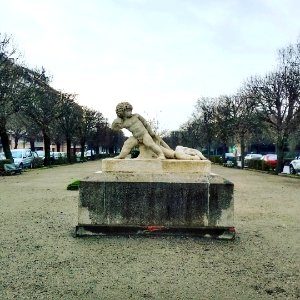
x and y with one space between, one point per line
156 166
167 195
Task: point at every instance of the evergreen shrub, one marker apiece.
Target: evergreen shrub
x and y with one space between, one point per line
38 162
4 162
216 159
74 186
102 155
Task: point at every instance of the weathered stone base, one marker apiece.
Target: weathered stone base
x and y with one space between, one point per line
156 166
174 200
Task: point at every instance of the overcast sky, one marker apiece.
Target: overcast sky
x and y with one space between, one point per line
160 55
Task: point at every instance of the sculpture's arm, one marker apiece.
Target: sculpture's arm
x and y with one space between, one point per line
117 124
155 137
147 126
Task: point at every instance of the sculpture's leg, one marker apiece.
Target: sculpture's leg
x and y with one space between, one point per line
128 145
182 155
201 155
146 152
148 141
188 153
168 152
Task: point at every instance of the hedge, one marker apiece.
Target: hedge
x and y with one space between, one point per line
259 164
38 162
216 159
74 185
4 162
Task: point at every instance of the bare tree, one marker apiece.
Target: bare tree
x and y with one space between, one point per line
90 118
16 126
205 114
69 121
41 104
98 136
33 132
277 97
191 133
174 138
244 118
224 121
10 83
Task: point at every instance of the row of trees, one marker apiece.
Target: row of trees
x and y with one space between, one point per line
31 108
265 108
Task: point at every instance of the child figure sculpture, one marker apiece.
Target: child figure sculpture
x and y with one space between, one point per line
144 137
140 129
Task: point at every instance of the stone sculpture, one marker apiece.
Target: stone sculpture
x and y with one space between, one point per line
150 144
170 190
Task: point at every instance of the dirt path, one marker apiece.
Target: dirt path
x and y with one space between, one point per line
40 259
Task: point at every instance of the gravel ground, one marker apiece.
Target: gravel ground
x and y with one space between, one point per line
40 258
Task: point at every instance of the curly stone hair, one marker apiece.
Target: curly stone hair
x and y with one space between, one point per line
122 106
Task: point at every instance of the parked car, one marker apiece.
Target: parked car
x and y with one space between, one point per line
22 158
270 159
89 153
78 157
295 165
229 156
229 160
251 156
56 156
41 153
63 154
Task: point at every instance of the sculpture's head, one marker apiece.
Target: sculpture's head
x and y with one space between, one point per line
122 107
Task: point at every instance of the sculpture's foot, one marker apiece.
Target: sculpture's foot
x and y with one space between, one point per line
195 157
161 157
119 157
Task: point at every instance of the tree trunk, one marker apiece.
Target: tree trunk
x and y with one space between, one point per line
16 141
74 149
97 149
5 143
280 146
47 144
242 140
32 147
58 144
208 150
224 151
82 146
68 149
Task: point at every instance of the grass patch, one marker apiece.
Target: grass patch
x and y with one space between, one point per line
73 186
